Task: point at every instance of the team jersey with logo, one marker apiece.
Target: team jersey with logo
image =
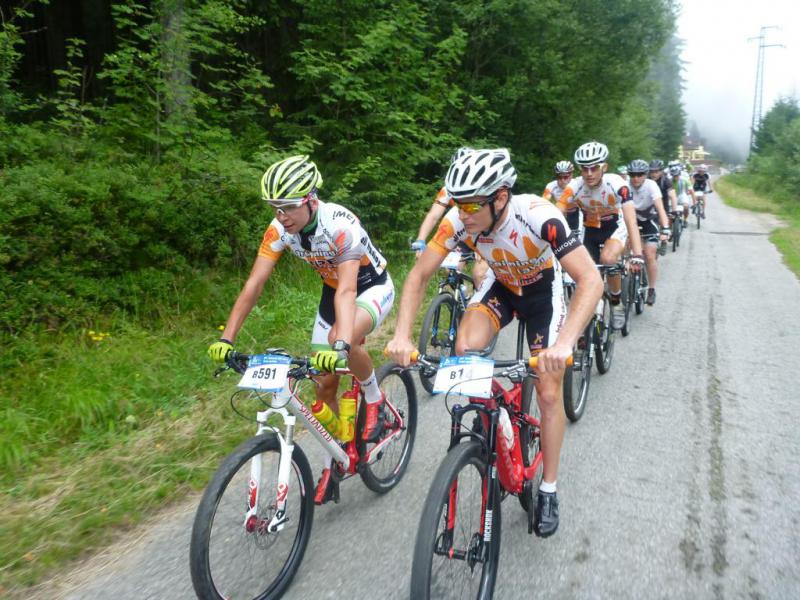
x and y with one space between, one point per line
644 199
337 237
522 250
553 192
601 203
681 185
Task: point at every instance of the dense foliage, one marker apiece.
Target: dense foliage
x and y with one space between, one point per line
133 132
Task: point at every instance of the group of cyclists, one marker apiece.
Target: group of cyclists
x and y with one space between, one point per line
524 244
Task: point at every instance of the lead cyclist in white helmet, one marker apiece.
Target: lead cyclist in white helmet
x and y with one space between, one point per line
526 242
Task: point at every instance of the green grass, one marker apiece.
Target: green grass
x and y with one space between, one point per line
97 434
742 192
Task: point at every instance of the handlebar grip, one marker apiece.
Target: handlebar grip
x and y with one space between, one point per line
414 356
533 361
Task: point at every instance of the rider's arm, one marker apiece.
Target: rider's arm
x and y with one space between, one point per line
431 219
344 300
674 198
567 199
589 287
662 214
261 271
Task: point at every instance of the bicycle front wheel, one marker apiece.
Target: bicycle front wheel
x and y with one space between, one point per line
676 235
628 298
604 339
452 557
391 463
235 556
438 334
641 290
530 439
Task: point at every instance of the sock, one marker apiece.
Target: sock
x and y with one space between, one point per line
369 386
548 488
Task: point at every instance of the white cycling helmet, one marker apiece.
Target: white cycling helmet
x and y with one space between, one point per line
463 151
480 173
591 153
675 170
564 167
702 168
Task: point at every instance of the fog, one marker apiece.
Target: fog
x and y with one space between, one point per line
720 69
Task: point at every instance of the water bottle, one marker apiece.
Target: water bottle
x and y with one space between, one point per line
323 413
347 416
506 428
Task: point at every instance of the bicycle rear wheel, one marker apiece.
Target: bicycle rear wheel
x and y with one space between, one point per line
452 558
438 334
578 377
391 464
234 558
604 338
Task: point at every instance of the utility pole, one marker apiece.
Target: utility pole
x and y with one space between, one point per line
758 95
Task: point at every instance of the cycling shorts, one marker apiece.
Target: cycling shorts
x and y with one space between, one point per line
594 237
684 200
543 313
573 220
376 299
648 231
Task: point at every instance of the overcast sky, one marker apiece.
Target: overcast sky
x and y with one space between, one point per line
720 68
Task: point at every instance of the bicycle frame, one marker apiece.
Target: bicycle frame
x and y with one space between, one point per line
290 408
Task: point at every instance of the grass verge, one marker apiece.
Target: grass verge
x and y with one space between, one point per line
101 431
737 191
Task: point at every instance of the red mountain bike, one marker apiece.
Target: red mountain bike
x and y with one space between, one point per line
458 541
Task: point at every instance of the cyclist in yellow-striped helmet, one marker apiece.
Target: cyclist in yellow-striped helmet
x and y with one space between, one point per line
291 181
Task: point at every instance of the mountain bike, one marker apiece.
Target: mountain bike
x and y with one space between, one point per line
496 455
253 523
699 208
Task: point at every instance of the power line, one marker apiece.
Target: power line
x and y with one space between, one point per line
758 95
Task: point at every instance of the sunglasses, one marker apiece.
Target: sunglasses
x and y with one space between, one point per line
563 176
637 174
471 207
590 168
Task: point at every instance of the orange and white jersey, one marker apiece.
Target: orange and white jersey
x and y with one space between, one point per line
553 191
443 199
601 203
522 251
337 237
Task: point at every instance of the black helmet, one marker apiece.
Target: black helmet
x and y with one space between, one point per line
656 165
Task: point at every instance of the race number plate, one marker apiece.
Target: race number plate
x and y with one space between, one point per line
266 373
451 260
467 375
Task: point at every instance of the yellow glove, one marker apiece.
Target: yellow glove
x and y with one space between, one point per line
218 351
329 360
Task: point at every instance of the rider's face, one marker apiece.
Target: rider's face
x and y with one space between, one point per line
656 173
294 218
476 214
593 174
637 179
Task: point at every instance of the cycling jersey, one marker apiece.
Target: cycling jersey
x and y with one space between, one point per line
665 185
553 192
522 250
700 181
443 199
600 203
337 237
681 185
644 199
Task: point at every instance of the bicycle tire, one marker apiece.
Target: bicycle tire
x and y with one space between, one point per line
676 235
604 339
578 377
641 281
432 325
697 213
211 571
628 296
425 580
530 441
382 475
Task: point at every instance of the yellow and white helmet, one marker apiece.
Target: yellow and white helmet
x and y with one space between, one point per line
289 181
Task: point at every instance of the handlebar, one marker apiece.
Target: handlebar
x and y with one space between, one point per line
530 363
301 366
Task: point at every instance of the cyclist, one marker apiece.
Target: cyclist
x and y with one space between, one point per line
668 196
525 241
441 203
564 173
604 198
682 186
701 182
648 204
623 172
357 292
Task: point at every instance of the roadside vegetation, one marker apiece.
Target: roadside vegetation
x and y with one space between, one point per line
132 138
772 178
